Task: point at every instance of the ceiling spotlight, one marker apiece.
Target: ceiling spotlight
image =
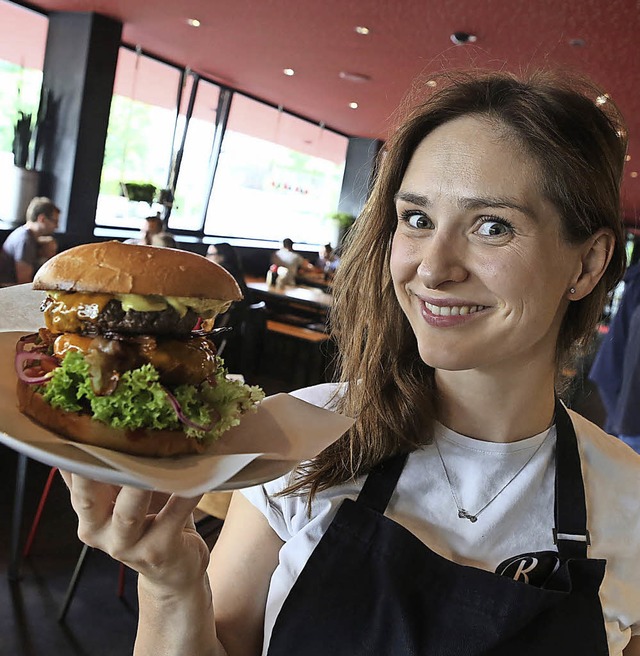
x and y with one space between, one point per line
353 105
432 83
353 77
460 38
601 100
288 71
361 29
634 174
194 22
627 158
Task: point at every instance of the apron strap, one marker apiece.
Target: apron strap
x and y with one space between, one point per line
381 482
570 533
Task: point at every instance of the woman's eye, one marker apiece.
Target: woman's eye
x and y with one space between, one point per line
493 227
416 219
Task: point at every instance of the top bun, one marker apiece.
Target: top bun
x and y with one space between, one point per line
115 268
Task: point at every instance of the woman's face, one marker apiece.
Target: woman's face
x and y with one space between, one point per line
478 262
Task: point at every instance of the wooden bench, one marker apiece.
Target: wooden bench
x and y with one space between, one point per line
299 332
297 354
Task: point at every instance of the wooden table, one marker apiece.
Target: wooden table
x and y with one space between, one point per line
312 297
297 347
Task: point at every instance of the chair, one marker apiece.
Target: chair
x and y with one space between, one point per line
213 506
14 569
298 353
241 347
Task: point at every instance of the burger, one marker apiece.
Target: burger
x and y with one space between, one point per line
127 359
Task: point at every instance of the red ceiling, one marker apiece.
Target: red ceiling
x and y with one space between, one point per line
247 43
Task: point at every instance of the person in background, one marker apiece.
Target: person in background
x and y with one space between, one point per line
328 261
286 256
164 240
47 248
236 346
227 256
152 226
467 511
293 262
616 367
26 247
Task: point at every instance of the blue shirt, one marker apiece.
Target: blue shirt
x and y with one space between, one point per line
616 368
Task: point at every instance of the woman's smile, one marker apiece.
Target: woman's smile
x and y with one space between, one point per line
445 313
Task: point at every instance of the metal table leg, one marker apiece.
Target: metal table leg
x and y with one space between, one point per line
15 557
73 583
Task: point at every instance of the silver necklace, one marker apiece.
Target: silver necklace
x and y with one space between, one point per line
473 517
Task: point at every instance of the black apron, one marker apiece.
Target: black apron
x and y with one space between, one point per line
371 587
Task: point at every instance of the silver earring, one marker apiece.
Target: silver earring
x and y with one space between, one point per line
572 290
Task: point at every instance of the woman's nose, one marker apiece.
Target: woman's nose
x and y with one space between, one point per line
442 261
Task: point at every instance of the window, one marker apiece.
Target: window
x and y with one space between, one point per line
278 176
139 137
192 189
23 34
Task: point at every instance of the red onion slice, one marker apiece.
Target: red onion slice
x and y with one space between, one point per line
185 420
28 374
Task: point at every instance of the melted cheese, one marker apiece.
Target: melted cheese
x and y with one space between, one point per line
71 342
68 310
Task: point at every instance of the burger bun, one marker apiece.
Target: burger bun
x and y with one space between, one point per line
112 267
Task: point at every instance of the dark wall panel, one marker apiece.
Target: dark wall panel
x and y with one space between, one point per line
79 69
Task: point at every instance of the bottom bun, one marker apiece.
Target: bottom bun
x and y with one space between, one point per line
82 428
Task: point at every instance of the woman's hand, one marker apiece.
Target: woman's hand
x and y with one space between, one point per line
152 533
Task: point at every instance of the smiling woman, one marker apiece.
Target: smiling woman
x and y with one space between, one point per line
467 252
467 506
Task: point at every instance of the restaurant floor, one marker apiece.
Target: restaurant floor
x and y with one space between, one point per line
98 622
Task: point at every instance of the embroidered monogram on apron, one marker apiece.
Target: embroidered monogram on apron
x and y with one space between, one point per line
371 587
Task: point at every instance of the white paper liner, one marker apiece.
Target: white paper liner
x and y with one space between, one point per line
281 433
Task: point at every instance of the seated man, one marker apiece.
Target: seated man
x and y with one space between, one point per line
22 251
286 257
152 226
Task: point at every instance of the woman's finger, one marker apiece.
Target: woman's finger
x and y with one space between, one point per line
177 513
92 502
129 517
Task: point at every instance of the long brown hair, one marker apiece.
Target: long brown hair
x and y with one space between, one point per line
580 147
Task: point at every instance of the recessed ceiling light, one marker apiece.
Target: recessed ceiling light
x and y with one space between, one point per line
353 77
634 174
432 83
601 100
353 105
461 38
194 22
627 158
361 29
288 71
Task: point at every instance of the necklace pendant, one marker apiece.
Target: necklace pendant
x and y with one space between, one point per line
463 514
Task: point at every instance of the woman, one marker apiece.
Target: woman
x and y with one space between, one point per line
226 256
482 261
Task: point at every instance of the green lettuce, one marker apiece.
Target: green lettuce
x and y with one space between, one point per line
140 401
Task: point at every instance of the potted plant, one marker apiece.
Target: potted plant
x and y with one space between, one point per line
21 140
27 142
344 221
139 191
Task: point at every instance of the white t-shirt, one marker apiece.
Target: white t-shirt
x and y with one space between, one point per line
289 259
519 520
